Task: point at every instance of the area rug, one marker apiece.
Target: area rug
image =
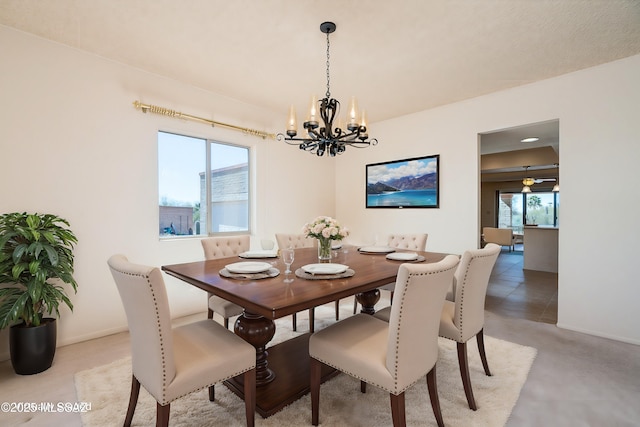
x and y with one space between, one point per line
341 403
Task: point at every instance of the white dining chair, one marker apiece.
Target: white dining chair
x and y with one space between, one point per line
463 318
223 247
411 242
463 314
390 355
173 362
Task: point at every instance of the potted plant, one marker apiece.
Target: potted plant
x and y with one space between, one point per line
36 259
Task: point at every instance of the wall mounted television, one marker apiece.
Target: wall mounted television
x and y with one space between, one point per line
408 183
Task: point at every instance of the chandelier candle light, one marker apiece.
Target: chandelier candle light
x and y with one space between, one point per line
326 138
325 229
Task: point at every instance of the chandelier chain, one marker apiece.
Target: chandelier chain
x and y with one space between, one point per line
328 78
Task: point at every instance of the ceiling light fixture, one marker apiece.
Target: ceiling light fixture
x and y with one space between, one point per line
325 138
532 139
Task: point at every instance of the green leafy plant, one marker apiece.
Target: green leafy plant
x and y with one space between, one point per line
36 255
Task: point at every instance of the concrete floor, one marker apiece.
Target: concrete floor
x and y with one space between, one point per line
522 294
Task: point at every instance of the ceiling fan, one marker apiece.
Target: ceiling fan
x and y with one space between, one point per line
531 181
527 181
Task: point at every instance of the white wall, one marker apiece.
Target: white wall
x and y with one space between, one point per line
599 152
72 144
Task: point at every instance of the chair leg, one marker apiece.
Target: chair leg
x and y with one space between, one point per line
355 305
226 322
337 310
363 387
483 356
315 369
398 410
209 311
162 417
312 319
250 396
433 396
133 400
295 322
464 373
212 394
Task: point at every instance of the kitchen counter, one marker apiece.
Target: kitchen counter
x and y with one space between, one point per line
541 248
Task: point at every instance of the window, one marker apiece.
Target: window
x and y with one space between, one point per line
203 186
515 210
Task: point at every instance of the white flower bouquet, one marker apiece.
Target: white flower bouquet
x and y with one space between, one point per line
325 228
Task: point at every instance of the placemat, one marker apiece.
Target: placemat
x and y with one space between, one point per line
365 252
304 275
419 259
272 272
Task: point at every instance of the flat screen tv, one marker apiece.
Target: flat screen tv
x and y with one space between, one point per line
408 183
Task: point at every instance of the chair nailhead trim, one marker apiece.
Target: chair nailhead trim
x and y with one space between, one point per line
162 351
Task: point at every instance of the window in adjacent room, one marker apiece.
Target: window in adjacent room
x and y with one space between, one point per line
515 210
203 186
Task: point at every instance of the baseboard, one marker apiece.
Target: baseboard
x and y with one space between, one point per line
6 355
597 334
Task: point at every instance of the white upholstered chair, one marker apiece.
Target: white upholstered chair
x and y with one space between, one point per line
171 363
499 236
296 241
411 242
223 247
463 318
391 355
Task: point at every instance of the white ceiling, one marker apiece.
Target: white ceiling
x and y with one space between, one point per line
397 57
501 140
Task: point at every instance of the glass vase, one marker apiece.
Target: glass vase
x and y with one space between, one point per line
324 250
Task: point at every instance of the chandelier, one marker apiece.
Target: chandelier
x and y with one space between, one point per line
324 138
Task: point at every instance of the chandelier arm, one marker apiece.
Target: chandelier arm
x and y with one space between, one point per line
359 144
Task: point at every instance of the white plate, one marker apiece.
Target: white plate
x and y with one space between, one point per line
325 268
336 246
403 256
377 249
259 254
248 267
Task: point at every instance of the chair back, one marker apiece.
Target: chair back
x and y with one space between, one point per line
144 297
414 242
414 321
295 241
225 246
499 236
471 281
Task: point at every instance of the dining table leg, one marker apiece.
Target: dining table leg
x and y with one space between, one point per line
257 331
368 301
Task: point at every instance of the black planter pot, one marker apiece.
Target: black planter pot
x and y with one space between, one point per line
32 348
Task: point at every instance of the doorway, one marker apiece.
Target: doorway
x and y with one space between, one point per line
505 162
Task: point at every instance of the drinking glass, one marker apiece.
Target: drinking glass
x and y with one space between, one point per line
288 256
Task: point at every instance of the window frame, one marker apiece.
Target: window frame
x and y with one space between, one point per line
209 142
523 206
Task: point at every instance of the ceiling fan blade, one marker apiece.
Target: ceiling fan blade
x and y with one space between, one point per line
539 180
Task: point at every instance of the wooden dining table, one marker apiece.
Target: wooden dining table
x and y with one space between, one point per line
282 370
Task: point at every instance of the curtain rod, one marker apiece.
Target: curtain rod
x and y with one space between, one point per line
172 113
